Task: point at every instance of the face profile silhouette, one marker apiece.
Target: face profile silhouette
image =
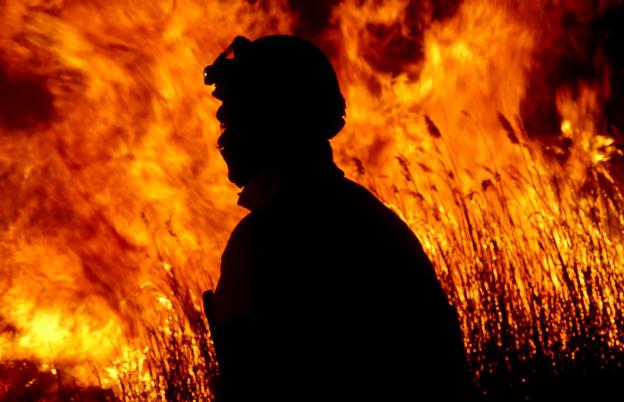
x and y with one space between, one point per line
323 289
280 100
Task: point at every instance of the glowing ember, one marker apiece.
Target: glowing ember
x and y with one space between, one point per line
115 205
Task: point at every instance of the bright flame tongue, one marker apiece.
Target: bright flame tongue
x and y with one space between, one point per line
109 169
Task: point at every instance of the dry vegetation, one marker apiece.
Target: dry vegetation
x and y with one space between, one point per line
534 261
540 289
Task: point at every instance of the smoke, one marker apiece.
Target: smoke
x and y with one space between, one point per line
25 101
390 47
119 145
579 42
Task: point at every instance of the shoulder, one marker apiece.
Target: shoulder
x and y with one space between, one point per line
370 208
388 235
360 196
253 226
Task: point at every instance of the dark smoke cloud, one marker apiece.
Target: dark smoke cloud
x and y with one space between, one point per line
390 48
609 33
576 48
312 17
573 38
24 101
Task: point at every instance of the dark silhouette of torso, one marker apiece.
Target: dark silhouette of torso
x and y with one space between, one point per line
325 293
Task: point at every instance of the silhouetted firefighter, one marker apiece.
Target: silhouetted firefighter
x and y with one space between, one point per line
324 294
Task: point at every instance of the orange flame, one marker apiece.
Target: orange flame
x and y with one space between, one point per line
111 179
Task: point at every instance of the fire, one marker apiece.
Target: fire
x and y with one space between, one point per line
115 204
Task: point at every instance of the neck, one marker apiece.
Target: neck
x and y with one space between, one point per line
259 190
317 159
294 170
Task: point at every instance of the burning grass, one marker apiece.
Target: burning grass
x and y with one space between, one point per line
525 230
540 299
173 359
533 260
539 289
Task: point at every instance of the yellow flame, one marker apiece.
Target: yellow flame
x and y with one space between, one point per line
124 189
